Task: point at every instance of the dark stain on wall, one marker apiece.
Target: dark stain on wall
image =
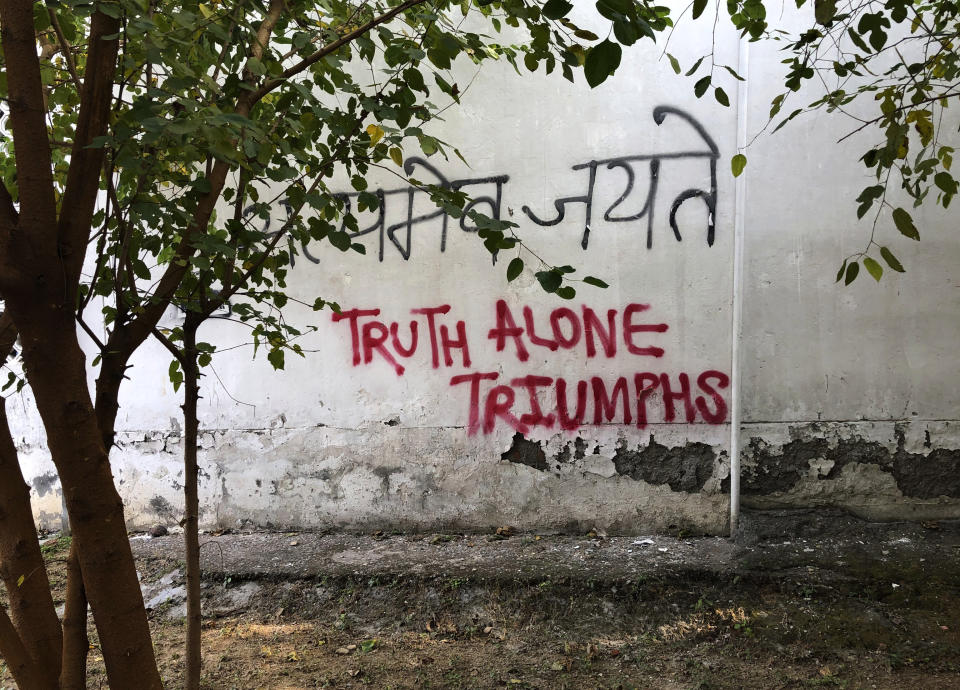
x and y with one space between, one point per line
162 507
384 474
683 468
44 484
524 452
917 475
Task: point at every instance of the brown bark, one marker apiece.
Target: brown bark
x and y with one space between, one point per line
56 371
191 394
22 569
83 177
27 119
22 667
76 645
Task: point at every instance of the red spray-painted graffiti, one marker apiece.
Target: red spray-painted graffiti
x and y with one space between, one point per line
641 398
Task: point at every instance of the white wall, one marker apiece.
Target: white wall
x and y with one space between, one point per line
849 394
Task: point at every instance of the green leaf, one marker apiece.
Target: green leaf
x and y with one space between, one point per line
873 268
737 164
824 11
515 268
945 182
698 7
549 280
905 225
852 271
891 260
733 73
340 240
602 61
554 9
701 86
396 155
275 357
721 97
841 271
566 292
176 376
596 282
674 63
694 67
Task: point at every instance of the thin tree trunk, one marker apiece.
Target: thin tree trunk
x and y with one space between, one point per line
22 569
76 644
191 537
56 370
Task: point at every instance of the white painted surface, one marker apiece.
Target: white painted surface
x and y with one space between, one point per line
329 443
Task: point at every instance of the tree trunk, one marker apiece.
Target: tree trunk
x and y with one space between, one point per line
191 537
31 603
23 669
76 644
56 370
21 564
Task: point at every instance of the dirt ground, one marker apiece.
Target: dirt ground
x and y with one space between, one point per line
841 604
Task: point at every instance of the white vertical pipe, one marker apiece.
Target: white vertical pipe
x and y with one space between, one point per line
739 209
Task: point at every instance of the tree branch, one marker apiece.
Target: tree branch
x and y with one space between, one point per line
126 338
83 177
330 48
27 119
65 47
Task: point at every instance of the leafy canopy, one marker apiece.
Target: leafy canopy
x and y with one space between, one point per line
221 109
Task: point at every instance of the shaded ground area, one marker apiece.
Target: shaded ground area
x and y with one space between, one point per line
800 600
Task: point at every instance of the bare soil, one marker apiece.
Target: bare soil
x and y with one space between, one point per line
869 610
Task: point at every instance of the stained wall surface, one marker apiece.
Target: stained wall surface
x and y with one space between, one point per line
444 397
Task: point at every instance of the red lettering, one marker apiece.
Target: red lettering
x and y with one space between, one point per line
535 417
431 312
372 342
459 344
508 328
565 421
534 338
354 315
644 392
499 403
703 381
473 422
401 350
669 396
629 328
607 337
608 405
564 313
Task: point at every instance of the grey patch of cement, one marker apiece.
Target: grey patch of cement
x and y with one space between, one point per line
683 468
524 452
917 475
